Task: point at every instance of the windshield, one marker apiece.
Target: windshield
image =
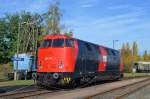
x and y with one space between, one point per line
69 43
46 43
58 43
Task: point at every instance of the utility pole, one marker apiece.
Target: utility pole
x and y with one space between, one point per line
114 41
17 57
34 37
16 71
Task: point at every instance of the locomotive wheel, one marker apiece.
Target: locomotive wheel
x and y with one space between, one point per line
38 84
120 77
73 84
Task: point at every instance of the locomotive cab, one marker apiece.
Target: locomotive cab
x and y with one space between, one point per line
52 58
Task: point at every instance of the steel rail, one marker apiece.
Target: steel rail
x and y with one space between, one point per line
34 94
133 91
109 91
22 94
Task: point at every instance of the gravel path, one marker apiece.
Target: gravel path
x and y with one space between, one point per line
84 92
144 93
81 93
123 91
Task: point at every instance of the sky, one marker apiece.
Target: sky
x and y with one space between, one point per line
97 21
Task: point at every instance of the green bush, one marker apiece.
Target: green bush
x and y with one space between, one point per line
127 69
4 70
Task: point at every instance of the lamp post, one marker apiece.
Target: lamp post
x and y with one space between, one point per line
114 41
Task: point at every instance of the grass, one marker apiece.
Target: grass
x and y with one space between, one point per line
2 77
128 75
31 82
16 83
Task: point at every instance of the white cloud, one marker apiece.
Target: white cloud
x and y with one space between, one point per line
126 27
119 7
128 8
86 5
110 22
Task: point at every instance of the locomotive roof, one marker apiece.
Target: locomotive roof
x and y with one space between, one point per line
57 36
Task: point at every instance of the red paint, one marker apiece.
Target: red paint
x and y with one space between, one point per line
103 61
121 66
76 52
60 36
49 59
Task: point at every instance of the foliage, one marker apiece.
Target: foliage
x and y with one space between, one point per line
4 70
129 55
4 54
69 34
25 30
29 32
146 56
131 75
135 51
16 83
126 54
52 19
27 25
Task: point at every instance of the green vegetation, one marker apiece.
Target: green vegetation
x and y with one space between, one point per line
25 30
16 83
4 70
31 28
129 75
130 55
2 76
9 28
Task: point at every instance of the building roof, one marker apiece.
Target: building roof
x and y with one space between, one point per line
142 62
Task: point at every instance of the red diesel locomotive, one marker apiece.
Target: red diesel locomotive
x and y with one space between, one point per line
63 60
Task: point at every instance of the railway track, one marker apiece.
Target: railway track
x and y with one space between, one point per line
121 92
25 94
20 93
133 91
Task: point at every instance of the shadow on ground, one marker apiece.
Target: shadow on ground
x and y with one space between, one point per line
13 88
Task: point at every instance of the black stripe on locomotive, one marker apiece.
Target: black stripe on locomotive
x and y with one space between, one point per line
89 57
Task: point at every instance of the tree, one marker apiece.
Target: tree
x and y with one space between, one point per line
30 30
30 27
69 33
52 19
12 30
145 56
4 55
126 56
135 51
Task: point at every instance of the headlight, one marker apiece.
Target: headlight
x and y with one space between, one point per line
55 75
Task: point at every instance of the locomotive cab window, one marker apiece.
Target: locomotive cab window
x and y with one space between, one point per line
46 43
58 43
69 43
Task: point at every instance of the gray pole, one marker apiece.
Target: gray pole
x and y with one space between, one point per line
16 71
114 43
